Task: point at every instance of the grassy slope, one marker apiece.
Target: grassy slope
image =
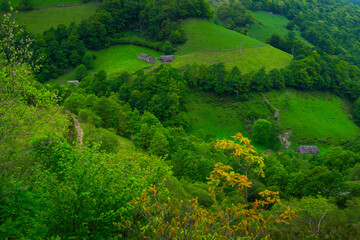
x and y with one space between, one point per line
112 60
313 117
43 3
122 58
271 23
250 59
37 21
203 35
222 116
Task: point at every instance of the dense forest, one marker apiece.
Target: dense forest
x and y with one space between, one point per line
113 158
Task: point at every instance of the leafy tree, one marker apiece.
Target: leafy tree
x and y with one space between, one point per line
88 60
163 218
264 132
167 48
81 72
25 4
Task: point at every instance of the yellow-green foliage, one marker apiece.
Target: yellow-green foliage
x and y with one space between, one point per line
314 117
37 21
249 60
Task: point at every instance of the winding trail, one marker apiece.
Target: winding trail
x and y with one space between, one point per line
284 136
80 132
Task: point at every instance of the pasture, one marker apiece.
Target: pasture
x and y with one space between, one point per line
250 59
314 117
37 21
203 35
267 24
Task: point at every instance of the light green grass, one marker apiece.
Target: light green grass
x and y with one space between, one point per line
62 80
43 3
270 24
314 117
203 35
113 60
122 58
223 117
37 21
249 60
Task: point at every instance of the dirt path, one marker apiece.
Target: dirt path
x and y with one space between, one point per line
285 136
80 132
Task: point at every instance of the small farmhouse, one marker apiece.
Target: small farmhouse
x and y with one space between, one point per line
76 82
167 58
146 58
308 150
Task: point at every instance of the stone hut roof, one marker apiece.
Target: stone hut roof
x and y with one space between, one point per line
147 58
76 82
308 150
167 58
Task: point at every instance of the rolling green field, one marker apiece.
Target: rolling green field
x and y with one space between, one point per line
37 21
43 3
224 117
270 24
113 60
314 117
203 35
122 58
249 60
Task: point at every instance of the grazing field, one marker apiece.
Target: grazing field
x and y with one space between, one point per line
249 60
267 24
122 58
44 3
113 60
203 35
37 21
314 117
224 117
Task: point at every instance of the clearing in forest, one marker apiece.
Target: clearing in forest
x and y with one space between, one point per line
208 43
225 116
122 58
37 21
268 24
314 117
202 35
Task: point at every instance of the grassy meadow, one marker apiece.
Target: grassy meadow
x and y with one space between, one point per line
203 35
37 21
224 117
314 117
44 3
270 24
113 60
122 58
249 60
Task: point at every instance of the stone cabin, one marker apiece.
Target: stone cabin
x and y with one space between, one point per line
76 82
146 58
308 150
167 58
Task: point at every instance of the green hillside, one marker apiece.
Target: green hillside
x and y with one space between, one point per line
268 24
122 58
37 21
224 117
314 117
250 58
43 3
114 59
203 35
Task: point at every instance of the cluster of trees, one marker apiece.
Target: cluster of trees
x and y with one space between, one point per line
235 16
331 26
